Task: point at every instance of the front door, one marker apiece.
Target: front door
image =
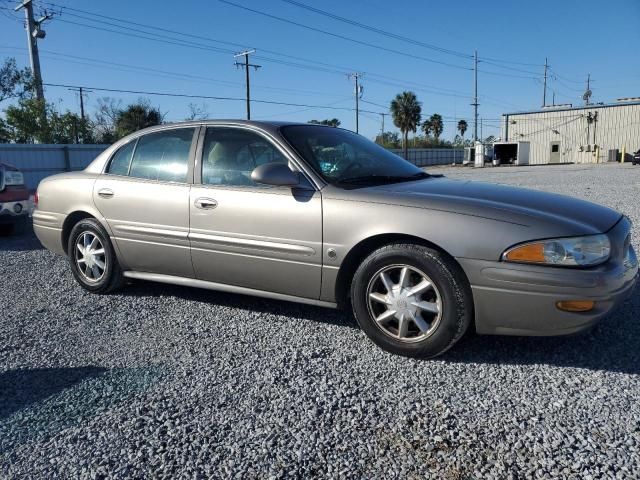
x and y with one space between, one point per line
250 235
144 197
555 152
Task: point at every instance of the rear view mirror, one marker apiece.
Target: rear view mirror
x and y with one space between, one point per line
278 174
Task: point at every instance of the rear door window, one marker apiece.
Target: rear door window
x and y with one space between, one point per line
163 156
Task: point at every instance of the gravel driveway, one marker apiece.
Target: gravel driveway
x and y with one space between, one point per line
162 381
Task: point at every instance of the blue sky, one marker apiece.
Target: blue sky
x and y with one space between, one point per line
578 37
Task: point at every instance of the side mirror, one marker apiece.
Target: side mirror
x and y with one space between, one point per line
277 174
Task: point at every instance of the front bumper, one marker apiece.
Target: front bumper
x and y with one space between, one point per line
15 211
513 299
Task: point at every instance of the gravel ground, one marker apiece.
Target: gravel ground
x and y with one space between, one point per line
162 381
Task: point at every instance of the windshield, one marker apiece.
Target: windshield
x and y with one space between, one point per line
346 159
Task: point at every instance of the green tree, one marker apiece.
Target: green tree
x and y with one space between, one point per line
27 121
426 128
436 125
14 83
388 140
136 117
462 127
406 112
32 121
334 122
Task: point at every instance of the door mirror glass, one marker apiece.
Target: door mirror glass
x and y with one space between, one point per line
277 174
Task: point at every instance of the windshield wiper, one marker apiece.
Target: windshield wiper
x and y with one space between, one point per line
383 178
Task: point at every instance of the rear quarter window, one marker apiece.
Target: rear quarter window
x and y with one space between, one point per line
120 161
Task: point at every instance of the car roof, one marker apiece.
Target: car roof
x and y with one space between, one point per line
261 124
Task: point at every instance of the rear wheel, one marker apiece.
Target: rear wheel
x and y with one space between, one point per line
411 300
92 258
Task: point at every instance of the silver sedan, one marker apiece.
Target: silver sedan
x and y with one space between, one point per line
323 216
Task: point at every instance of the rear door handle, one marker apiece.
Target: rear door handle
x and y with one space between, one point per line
205 203
105 192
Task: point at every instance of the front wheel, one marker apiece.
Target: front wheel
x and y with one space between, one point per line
92 258
411 300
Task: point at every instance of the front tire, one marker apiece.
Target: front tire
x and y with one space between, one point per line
411 300
92 258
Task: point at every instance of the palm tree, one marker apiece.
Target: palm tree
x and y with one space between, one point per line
136 117
435 122
426 127
406 112
462 127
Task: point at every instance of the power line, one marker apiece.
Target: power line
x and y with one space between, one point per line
493 61
332 68
378 30
342 37
207 97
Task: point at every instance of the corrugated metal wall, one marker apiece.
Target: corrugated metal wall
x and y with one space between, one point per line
423 157
39 161
617 126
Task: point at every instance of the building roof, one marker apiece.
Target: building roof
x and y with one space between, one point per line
565 109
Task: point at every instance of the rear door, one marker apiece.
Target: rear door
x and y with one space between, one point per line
250 235
144 197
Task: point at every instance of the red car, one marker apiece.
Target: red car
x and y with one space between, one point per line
14 199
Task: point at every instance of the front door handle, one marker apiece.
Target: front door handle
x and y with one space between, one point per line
105 192
205 203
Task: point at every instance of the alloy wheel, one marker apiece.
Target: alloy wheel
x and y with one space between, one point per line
90 257
404 303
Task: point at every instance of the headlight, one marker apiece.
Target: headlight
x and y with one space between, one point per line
562 252
12 177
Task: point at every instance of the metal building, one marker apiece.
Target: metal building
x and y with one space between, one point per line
567 134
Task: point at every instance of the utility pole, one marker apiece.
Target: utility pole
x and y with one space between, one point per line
358 91
544 91
81 91
475 96
481 134
382 129
34 32
246 66
587 94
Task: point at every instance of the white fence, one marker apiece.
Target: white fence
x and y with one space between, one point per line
41 160
424 157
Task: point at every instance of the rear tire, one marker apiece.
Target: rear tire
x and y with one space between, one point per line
411 300
92 258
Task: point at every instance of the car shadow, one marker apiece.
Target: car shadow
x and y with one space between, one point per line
24 387
22 242
244 302
613 345
36 404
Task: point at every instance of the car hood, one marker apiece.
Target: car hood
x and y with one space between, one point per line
516 205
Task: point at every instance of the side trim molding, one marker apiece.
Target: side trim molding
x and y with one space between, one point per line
192 282
253 244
